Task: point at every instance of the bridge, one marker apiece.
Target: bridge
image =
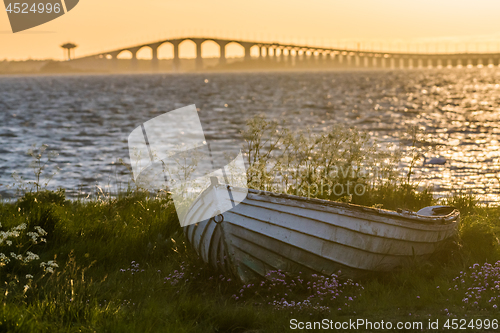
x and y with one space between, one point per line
292 55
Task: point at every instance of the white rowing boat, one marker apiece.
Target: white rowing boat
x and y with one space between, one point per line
269 231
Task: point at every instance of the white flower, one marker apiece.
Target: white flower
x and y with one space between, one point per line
20 227
52 263
49 266
29 276
9 243
4 259
16 256
31 256
40 231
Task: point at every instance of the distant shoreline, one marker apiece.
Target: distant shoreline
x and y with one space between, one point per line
123 66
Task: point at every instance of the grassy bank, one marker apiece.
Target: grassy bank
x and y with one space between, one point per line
122 265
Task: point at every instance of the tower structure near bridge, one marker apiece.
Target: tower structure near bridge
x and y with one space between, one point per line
69 47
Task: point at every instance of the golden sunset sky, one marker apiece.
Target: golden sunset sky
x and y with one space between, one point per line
424 25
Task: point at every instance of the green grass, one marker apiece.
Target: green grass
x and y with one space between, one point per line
115 256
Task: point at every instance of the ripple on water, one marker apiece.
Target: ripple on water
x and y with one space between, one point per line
87 119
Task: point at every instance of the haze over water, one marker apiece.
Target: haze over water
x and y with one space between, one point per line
87 119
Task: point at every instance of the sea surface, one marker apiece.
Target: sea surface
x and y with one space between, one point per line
86 119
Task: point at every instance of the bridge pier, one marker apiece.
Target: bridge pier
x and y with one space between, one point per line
155 63
305 57
114 61
222 47
335 59
290 57
134 63
154 60
340 58
199 59
329 59
393 63
176 62
247 47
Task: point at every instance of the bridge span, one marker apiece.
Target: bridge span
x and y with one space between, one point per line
292 55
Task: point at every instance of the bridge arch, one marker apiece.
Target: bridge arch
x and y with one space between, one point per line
145 53
166 51
210 49
187 49
235 49
124 54
255 51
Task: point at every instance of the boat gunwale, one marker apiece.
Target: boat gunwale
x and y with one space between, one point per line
414 217
399 221
344 227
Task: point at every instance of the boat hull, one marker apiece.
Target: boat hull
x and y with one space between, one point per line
268 231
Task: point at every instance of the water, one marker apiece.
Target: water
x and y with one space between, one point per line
87 119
